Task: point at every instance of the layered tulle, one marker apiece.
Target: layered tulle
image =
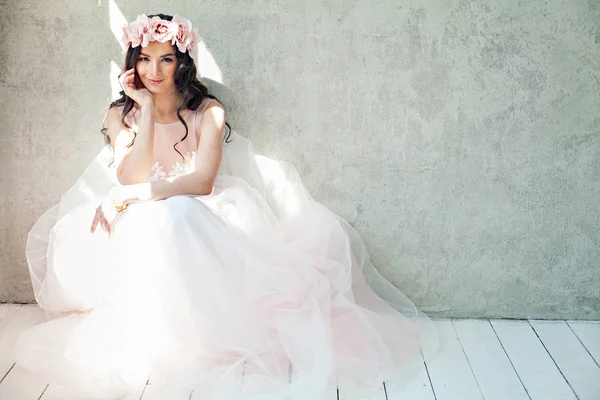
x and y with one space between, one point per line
256 288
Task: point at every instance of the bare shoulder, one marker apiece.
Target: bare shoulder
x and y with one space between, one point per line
114 124
213 115
113 114
214 108
114 117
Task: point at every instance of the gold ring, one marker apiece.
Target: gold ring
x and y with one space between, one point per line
119 207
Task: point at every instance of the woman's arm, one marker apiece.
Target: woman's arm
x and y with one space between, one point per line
208 160
136 167
135 163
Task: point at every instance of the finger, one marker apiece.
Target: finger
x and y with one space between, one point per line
128 72
129 82
123 78
131 78
104 224
94 224
114 221
96 220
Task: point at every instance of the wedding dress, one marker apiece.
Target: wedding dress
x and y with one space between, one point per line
256 288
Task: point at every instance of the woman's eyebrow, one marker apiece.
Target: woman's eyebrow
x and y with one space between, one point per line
164 55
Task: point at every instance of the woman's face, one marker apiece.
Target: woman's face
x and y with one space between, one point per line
156 66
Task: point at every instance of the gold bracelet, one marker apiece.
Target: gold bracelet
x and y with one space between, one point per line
120 207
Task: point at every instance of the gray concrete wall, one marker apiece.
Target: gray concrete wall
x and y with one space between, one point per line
461 138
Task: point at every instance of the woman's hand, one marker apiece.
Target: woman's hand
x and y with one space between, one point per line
135 89
121 196
106 214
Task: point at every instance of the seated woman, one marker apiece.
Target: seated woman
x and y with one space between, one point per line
204 261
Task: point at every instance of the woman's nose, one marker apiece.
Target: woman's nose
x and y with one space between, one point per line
155 68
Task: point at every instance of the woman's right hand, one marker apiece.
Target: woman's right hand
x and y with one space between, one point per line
140 95
105 216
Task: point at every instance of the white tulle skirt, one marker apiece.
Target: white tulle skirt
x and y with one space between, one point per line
256 289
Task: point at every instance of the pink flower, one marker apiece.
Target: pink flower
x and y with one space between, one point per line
161 30
129 37
195 40
136 33
186 37
144 30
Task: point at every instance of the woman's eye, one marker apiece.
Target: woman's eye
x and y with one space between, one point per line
167 59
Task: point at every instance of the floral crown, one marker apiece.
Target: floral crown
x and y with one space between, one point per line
178 31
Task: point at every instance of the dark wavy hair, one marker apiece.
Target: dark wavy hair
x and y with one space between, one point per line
186 81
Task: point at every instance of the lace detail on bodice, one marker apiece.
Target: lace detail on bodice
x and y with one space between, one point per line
179 168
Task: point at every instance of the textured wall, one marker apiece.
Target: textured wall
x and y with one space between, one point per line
461 138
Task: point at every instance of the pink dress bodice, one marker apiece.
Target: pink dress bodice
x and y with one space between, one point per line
166 161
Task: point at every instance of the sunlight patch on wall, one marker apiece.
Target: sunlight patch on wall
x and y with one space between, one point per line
113 77
117 21
288 192
207 66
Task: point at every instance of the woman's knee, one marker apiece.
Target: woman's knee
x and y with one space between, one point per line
169 214
180 208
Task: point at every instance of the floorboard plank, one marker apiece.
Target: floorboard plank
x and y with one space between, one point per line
588 333
379 394
56 392
572 358
25 317
135 393
329 394
450 372
500 359
414 385
20 384
7 312
205 389
535 367
491 366
155 392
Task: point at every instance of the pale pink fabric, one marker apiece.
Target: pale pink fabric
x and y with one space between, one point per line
166 161
256 291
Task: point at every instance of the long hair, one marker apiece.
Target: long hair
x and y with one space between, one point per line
186 82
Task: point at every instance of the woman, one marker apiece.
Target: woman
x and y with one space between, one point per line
216 265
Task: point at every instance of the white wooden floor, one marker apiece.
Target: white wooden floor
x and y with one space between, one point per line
482 359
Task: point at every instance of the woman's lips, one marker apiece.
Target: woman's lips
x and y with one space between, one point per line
152 81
